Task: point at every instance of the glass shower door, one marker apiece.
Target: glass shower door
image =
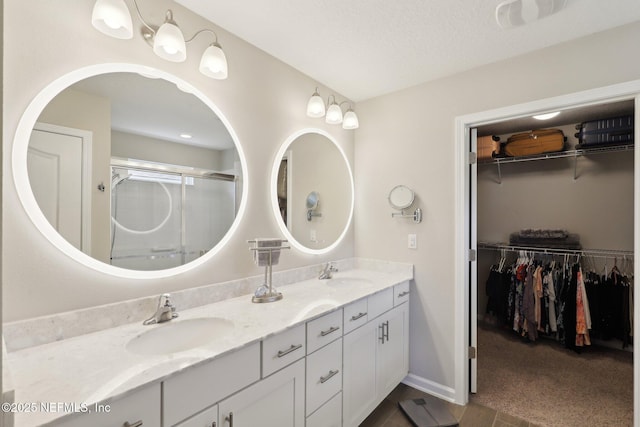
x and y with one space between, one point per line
146 219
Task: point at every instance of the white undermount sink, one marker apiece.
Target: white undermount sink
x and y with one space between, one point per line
179 335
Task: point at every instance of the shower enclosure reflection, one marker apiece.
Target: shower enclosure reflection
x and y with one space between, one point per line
163 216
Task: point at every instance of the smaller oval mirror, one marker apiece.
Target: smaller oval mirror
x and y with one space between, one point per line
312 200
311 165
401 197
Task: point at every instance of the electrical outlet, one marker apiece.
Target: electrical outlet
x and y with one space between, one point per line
413 241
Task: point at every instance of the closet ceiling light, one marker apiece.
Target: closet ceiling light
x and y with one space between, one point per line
333 114
112 17
546 116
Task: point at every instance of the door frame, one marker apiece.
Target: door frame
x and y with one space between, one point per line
87 171
463 214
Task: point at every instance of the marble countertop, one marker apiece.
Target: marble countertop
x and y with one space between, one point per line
97 366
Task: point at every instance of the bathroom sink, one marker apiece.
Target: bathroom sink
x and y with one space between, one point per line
179 335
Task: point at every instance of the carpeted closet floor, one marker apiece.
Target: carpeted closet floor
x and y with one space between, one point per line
548 385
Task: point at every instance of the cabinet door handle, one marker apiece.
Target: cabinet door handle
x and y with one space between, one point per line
357 316
328 376
135 424
329 331
384 331
282 353
403 294
229 419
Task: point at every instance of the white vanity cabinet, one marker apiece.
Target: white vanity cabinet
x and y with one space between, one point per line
140 408
376 357
275 401
187 393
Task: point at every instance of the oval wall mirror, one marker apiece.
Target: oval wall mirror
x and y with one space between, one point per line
310 163
130 170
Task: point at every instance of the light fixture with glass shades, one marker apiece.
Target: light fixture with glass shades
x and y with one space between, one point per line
112 17
333 112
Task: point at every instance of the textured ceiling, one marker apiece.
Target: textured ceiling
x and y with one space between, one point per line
366 48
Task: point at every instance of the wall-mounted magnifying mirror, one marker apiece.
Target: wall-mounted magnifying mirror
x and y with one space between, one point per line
308 165
402 197
312 204
123 169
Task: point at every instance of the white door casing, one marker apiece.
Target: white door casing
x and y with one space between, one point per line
59 165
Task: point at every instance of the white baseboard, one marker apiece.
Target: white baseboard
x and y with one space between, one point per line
431 387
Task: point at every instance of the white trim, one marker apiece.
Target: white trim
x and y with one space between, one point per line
21 179
430 387
627 90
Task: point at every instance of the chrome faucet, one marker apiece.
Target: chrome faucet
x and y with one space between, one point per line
327 271
165 311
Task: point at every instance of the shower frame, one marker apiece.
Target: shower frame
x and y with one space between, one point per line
183 172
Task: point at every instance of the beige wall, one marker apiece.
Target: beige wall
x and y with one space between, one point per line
408 138
263 99
130 146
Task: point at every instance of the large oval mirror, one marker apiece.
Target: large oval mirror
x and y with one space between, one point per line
312 191
131 171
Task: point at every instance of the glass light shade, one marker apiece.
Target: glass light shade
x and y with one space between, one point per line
111 17
315 106
334 114
350 120
214 62
168 43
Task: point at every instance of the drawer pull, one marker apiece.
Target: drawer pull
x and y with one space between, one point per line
230 419
135 424
358 316
328 376
329 331
403 294
282 353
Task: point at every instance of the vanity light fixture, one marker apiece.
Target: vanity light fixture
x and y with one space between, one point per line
112 17
333 113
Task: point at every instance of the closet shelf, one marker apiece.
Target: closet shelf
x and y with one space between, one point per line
598 253
557 155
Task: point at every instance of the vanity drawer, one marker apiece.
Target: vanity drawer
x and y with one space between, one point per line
400 293
329 414
142 405
282 349
380 302
323 330
324 375
355 315
189 392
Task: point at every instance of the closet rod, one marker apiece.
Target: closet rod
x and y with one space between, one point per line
598 253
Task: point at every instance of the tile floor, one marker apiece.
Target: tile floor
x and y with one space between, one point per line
388 414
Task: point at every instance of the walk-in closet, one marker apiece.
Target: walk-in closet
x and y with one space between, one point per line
555 286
